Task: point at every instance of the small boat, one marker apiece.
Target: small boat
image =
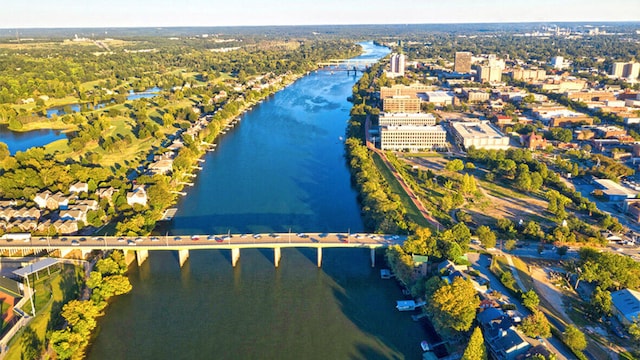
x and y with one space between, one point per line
425 345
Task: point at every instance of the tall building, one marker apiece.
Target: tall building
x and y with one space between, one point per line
403 90
401 104
629 70
557 62
413 138
462 63
528 74
416 119
397 64
490 74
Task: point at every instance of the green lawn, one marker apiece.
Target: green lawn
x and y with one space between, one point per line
412 211
61 287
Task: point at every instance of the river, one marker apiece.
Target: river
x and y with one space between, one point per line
282 168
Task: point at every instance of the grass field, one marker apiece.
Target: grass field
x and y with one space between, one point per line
412 211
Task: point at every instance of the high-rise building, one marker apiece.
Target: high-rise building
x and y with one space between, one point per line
414 119
490 74
397 64
629 70
401 104
462 63
557 62
412 137
617 69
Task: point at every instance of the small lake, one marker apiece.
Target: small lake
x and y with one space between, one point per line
21 141
62 110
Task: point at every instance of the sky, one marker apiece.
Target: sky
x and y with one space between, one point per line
167 13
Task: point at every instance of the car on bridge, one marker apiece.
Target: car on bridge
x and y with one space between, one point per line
211 238
195 237
131 243
75 243
177 238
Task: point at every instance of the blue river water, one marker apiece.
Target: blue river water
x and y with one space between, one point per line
281 168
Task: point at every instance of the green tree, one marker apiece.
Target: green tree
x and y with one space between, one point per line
475 349
530 300
536 324
67 344
574 338
455 165
510 245
486 236
453 306
600 303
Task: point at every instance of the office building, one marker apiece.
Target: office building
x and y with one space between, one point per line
403 90
488 74
558 62
397 65
629 70
528 74
401 104
481 134
413 138
415 119
462 62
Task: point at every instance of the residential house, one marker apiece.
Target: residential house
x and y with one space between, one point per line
66 226
41 198
137 196
79 187
106 193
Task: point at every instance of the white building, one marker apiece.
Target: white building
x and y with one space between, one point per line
413 138
397 65
480 134
137 196
558 62
440 98
417 119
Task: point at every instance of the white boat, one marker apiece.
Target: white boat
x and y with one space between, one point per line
408 305
425 345
385 274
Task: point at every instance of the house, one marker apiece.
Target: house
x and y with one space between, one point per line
79 187
137 196
503 341
162 167
626 305
106 193
73 214
66 226
41 198
7 213
420 264
89 204
533 141
27 213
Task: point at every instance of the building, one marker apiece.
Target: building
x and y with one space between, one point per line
629 70
438 98
416 119
397 65
488 74
562 121
473 95
626 305
585 96
401 104
533 141
481 134
528 75
403 90
614 191
462 62
558 62
413 138
79 187
137 196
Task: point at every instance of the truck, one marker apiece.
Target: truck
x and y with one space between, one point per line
16 237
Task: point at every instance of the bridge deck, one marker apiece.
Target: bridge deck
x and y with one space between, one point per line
223 241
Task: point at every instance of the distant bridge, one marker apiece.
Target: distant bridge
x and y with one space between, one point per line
348 65
141 245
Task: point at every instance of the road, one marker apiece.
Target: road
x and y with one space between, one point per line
482 263
223 241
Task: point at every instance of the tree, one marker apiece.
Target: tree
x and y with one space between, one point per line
453 306
562 250
455 165
509 245
486 236
600 303
574 338
536 324
475 349
530 300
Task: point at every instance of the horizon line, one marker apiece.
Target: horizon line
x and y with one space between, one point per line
322 25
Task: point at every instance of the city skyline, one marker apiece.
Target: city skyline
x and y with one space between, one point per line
164 13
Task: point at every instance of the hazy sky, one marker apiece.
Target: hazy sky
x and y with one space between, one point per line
122 13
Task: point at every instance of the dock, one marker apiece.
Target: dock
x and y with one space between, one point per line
169 214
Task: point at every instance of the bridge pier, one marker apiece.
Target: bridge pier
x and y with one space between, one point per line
373 257
276 256
319 256
141 256
235 256
65 251
183 255
129 256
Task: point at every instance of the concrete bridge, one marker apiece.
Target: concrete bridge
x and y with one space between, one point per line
141 245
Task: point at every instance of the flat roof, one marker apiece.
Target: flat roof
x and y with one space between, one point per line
627 302
437 128
35 267
613 188
480 129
